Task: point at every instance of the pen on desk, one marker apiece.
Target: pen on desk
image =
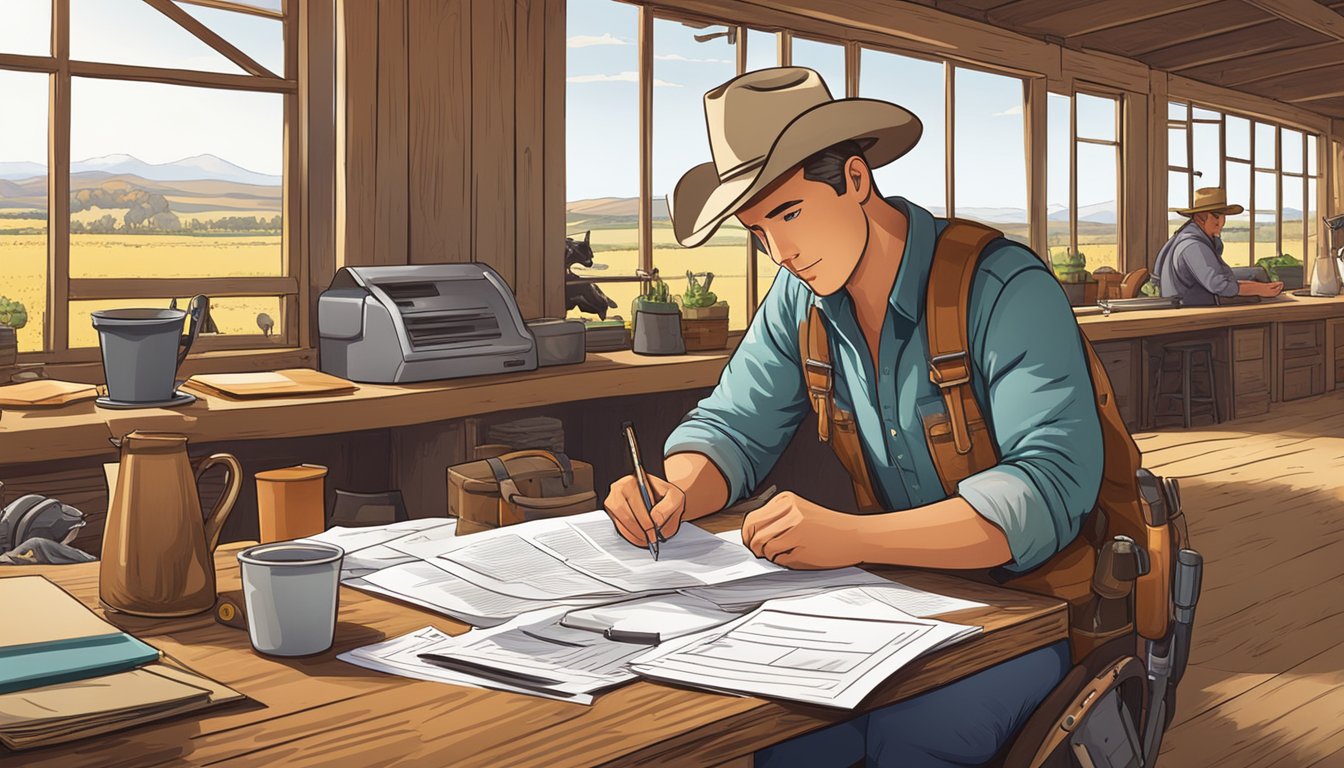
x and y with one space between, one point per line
642 480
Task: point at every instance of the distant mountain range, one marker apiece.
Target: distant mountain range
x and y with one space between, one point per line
198 168
614 208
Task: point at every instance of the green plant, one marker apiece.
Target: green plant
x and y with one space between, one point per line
1070 266
698 294
12 313
1271 264
656 290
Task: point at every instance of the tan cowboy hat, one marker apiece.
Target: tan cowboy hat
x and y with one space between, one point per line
1210 200
764 123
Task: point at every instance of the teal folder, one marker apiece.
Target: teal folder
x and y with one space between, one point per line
50 637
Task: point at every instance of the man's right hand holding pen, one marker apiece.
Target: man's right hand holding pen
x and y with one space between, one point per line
695 488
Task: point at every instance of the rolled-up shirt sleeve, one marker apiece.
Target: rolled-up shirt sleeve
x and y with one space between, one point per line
1034 373
745 424
1208 270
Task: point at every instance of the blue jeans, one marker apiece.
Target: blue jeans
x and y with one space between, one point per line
961 724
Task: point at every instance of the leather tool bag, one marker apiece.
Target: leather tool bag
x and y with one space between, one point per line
518 487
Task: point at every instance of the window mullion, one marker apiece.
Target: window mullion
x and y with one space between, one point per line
646 138
56 324
949 135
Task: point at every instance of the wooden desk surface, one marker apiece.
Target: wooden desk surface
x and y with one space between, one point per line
322 711
1285 308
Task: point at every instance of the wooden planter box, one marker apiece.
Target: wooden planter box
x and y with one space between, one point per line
705 328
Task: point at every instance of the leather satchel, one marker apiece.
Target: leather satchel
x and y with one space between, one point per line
517 487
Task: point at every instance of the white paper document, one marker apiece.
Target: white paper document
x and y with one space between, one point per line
831 649
366 549
653 619
401 656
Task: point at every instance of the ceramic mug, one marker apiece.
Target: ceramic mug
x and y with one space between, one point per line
290 590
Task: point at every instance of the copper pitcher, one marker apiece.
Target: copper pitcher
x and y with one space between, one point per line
157 547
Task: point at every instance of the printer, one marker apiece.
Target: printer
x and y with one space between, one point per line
398 324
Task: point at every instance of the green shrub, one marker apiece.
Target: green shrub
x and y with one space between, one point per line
12 313
697 294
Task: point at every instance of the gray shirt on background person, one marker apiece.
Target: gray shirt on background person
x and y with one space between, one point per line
1190 266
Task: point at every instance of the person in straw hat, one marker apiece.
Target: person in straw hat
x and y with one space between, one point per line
794 166
1191 267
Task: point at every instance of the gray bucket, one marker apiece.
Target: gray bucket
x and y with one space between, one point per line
142 350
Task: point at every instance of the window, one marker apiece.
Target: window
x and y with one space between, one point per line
989 158
970 162
1270 170
1083 179
174 153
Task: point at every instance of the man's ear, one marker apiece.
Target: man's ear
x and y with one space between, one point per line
858 178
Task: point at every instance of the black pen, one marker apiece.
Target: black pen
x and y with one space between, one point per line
642 480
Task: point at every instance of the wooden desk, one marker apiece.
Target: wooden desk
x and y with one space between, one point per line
322 711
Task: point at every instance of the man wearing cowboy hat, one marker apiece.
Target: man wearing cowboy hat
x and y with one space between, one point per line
793 165
1191 267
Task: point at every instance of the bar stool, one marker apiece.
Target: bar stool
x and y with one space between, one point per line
1189 351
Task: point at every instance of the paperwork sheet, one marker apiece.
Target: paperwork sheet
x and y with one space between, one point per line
400 656
652 619
830 649
367 550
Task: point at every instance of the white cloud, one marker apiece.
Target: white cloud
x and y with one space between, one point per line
587 41
623 77
679 57
1016 109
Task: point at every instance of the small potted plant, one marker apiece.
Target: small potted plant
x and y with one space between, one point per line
704 319
13 316
1285 267
655 318
1071 269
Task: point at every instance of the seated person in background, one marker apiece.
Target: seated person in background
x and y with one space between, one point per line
1191 267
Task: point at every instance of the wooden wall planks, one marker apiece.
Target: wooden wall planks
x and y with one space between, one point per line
447 157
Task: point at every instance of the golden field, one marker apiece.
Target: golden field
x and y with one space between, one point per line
23 268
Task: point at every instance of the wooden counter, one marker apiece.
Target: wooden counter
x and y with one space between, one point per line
319 710
83 430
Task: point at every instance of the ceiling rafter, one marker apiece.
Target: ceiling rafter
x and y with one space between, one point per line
1305 13
210 37
1079 18
1274 36
1164 31
225 5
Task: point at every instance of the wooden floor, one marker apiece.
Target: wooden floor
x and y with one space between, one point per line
1265 502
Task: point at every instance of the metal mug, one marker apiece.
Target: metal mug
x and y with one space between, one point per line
291 590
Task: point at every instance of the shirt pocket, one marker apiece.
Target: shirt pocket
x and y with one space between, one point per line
953 467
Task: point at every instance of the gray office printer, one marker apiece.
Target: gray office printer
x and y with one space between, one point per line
409 323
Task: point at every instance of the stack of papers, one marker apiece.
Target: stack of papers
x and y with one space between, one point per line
367 551
285 383
831 649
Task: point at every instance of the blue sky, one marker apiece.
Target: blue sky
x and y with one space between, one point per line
602 116
155 123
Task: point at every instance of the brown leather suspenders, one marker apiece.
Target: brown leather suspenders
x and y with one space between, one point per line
959 442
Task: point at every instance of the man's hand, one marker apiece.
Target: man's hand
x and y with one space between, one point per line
1255 288
625 506
796 533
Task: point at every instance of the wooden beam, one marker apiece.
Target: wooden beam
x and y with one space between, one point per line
225 5
209 37
176 287
1072 18
25 63
1136 164
391 220
1307 14
1314 97
188 77
1171 29
1245 70
1037 98
356 131
1244 103
1105 69
1156 169
317 78
645 54
529 140
1273 36
554 155
57 320
294 315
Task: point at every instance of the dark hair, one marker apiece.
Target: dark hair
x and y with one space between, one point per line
828 165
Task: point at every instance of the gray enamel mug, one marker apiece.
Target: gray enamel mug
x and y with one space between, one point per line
290 590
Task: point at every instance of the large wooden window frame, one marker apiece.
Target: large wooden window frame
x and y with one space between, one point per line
61 69
821 32
1255 164
1119 98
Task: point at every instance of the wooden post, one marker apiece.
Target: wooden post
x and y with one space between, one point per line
1037 98
57 321
646 138
949 135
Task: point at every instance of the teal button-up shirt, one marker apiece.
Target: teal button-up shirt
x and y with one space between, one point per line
1030 376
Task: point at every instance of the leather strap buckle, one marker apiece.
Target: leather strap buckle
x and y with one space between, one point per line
823 369
950 370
